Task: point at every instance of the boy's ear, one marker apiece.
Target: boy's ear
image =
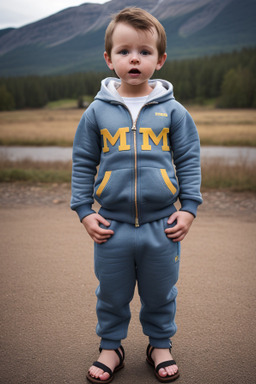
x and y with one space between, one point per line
161 61
108 61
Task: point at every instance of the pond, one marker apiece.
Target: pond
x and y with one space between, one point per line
231 155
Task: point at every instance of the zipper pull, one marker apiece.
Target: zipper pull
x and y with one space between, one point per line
137 222
134 126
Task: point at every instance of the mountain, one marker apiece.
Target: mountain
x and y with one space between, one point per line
73 40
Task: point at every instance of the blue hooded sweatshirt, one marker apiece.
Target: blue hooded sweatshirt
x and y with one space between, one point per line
145 165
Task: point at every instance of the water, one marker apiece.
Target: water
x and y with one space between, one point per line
36 153
230 155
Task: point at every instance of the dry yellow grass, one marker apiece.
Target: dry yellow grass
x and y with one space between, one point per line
39 127
215 175
57 127
225 126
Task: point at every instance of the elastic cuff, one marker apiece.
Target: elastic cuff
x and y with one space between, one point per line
189 206
110 344
160 343
84 210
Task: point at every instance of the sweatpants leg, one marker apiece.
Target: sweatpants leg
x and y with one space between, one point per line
116 272
145 254
157 260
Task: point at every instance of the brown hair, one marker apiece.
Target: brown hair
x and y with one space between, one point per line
139 19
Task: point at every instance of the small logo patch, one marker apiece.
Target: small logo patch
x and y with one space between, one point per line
176 258
161 114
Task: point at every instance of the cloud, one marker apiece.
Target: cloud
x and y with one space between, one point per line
16 13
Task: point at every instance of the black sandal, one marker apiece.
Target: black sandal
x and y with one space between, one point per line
168 378
105 368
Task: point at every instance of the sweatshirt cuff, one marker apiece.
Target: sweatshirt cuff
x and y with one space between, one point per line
84 210
189 206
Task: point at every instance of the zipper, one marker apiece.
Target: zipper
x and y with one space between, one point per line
134 129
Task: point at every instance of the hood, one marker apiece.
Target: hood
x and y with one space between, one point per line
162 91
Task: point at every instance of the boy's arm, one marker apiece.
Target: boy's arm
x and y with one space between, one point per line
86 157
184 221
98 234
186 156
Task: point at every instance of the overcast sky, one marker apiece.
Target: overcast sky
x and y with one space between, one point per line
16 13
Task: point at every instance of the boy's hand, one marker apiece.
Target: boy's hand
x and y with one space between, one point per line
179 231
98 234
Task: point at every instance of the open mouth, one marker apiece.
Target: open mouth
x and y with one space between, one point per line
134 71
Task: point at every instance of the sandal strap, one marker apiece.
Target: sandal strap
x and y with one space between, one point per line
121 356
102 366
150 349
165 364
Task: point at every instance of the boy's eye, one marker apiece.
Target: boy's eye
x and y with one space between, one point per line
145 53
124 52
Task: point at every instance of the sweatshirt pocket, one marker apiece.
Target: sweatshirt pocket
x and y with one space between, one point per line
168 182
157 187
103 183
113 190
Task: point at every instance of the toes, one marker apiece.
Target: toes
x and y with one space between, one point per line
170 371
104 376
98 373
162 372
93 371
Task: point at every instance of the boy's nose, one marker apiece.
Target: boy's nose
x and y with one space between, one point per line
135 59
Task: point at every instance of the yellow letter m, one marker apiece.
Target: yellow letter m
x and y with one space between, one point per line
120 134
147 132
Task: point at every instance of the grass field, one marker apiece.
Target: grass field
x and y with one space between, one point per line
215 175
232 127
39 127
54 126
57 126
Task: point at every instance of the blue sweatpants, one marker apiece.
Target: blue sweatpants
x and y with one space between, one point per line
146 255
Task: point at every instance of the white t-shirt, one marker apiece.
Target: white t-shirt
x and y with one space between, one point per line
135 104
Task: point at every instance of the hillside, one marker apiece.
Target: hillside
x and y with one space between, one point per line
73 40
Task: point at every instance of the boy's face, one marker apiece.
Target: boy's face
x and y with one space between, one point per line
134 57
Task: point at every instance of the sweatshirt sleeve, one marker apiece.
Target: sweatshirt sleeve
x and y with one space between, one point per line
186 155
86 157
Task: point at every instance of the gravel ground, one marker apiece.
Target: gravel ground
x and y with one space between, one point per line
221 202
47 293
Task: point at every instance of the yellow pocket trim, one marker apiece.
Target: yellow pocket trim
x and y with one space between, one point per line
168 181
103 183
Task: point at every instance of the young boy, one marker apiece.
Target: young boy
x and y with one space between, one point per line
135 130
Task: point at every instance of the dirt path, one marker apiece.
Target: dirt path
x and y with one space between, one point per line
48 304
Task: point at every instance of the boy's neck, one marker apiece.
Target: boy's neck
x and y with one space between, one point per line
127 90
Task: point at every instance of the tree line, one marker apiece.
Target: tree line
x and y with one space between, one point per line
228 79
